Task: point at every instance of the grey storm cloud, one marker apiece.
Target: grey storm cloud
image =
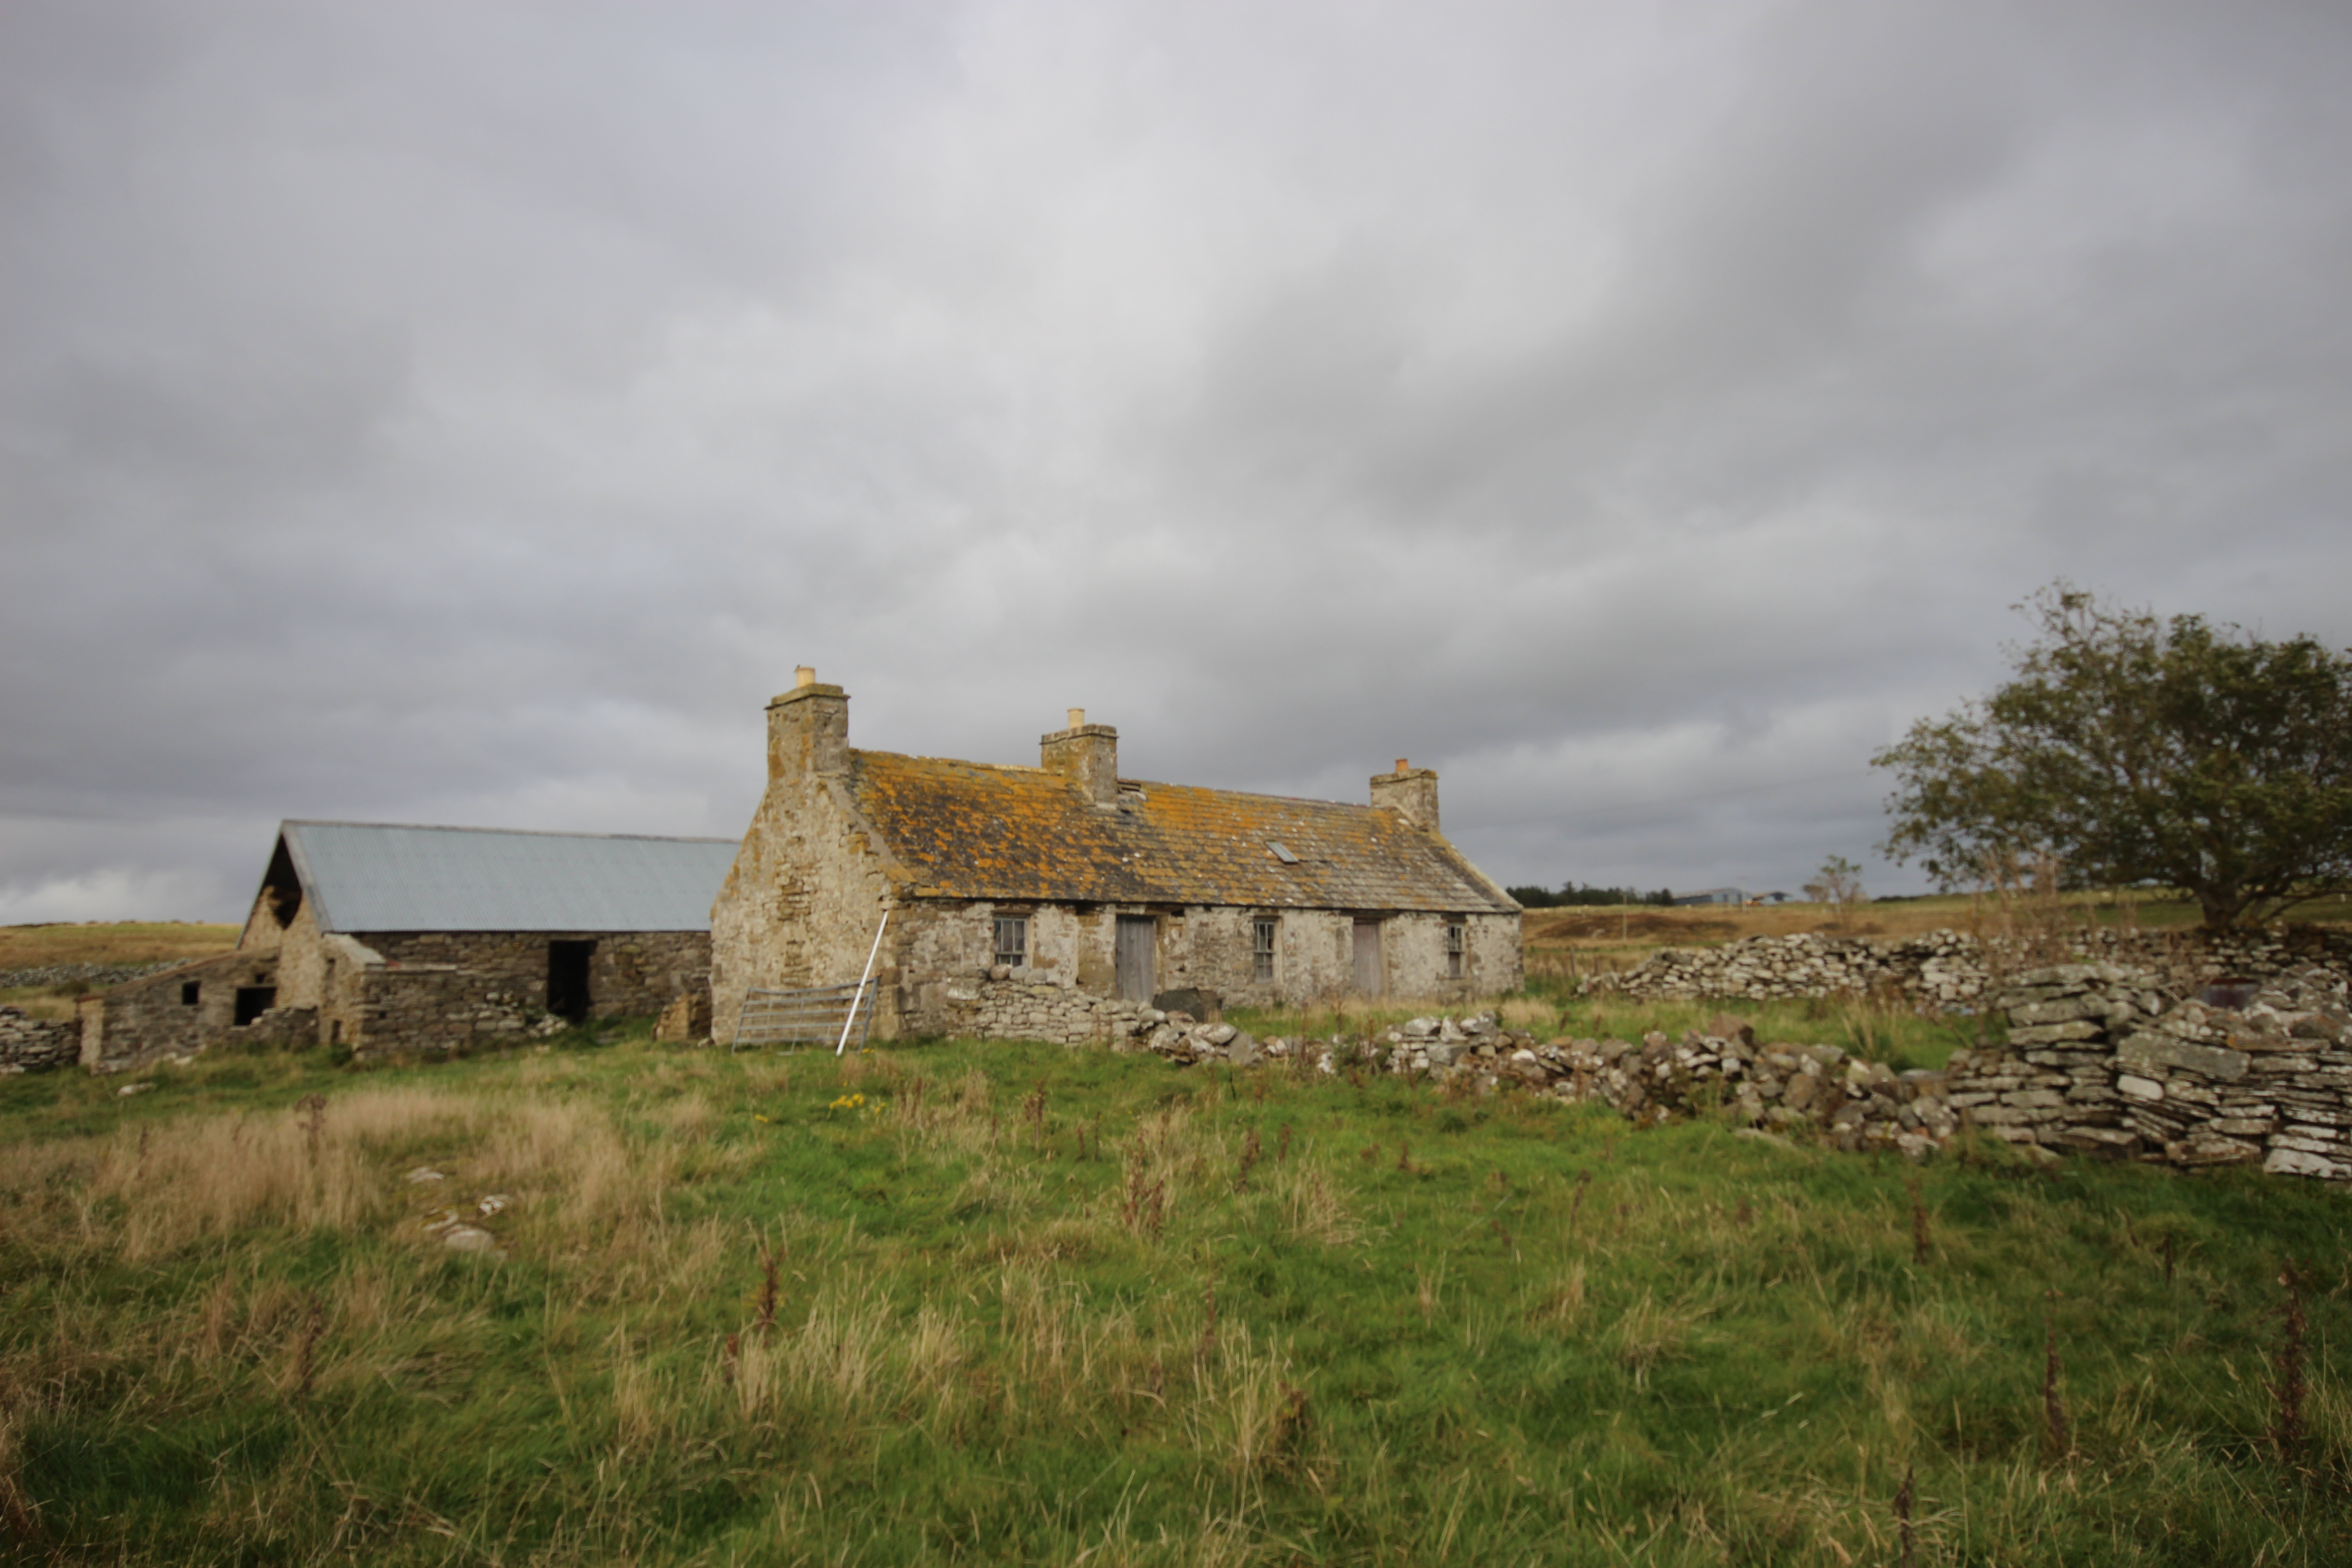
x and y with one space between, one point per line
471 413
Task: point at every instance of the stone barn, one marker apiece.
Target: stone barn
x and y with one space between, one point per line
393 938
1053 902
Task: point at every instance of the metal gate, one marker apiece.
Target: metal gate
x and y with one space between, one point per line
820 1017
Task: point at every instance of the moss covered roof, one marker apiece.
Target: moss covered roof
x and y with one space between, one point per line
974 830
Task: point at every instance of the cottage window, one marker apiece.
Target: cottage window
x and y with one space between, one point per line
190 991
1457 950
1012 940
1262 950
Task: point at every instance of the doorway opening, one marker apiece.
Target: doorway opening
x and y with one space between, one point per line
567 979
253 1001
1372 975
1136 957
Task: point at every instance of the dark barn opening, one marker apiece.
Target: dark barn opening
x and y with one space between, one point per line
283 887
567 979
253 1001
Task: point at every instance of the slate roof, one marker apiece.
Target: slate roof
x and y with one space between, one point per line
374 877
973 830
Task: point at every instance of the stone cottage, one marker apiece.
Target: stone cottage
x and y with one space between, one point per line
382 938
1041 901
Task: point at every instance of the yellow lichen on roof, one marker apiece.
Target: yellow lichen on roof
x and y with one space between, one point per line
975 831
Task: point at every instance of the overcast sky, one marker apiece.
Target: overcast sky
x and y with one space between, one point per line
470 412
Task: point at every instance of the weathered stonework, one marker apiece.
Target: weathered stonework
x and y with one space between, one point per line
37 1045
1073 852
407 991
1949 969
2101 1059
175 1011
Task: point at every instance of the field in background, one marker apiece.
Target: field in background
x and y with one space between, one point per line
111 944
1563 943
1043 1305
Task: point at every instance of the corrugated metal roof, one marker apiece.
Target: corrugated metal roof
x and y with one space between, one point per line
371 876
972 831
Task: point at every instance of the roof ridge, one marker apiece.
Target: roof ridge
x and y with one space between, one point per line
1124 779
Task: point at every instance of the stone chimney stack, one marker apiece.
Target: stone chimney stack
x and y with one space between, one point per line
808 729
1086 753
1410 792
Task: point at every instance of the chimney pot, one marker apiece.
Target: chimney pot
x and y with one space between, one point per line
1077 717
805 675
1404 765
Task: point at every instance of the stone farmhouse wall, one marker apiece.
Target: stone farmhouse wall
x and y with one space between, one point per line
174 1012
1065 990
439 992
1949 969
630 974
398 992
37 1045
800 906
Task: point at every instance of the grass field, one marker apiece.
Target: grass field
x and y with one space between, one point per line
1035 1305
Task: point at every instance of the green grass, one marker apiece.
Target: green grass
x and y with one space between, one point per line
1037 1305
1552 1008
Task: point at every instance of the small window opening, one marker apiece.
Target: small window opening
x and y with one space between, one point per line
1012 940
252 1002
1262 950
190 992
1457 950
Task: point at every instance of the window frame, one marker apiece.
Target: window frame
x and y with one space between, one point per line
1457 950
1017 956
1264 937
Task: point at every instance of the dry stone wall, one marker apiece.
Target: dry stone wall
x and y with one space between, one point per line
1815 1090
1949 969
37 1045
2099 1058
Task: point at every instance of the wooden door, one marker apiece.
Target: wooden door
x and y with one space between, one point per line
1136 957
1371 977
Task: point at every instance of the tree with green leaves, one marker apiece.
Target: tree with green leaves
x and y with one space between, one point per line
2137 750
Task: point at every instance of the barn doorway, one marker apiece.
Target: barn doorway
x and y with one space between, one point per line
1136 957
567 979
252 1002
1372 975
